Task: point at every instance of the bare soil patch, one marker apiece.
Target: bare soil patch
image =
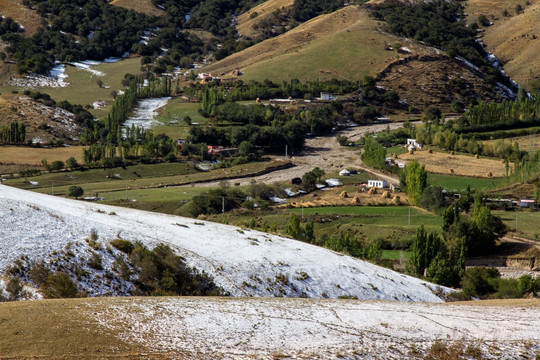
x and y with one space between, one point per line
264 10
142 6
43 123
436 80
515 39
444 163
27 17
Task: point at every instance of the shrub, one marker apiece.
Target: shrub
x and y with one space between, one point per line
75 191
60 285
124 246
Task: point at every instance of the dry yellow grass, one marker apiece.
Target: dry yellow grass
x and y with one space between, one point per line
142 6
344 44
264 10
515 40
20 13
526 143
442 163
19 155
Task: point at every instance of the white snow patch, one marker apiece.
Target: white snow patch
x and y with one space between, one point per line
318 329
144 115
243 262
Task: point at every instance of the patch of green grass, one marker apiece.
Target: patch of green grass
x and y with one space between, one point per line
339 54
83 88
387 216
460 183
177 109
396 254
527 222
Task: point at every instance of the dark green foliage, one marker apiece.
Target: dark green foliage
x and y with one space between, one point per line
413 181
433 198
162 272
56 165
15 289
216 200
75 191
346 243
14 133
374 153
436 23
484 283
72 163
311 178
304 10
59 285
439 260
124 246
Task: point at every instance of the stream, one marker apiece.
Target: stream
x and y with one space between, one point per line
144 114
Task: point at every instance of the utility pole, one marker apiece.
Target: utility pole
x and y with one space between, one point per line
286 145
223 204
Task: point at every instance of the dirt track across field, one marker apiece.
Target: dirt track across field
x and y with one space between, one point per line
323 152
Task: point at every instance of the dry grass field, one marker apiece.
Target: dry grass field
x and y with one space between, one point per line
20 13
15 155
444 163
515 39
142 6
264 10
526 143
346 44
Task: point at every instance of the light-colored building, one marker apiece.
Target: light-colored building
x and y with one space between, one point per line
377 183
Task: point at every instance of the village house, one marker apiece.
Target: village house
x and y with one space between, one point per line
379 184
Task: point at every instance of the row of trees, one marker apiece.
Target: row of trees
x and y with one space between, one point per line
268 89
14 133
123 104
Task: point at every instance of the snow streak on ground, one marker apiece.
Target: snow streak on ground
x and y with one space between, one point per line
243 262
145 113
314 329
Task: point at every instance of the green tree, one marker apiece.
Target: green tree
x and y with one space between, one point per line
413 180
75 191
293 227
374 153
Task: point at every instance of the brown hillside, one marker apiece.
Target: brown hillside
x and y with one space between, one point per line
264 11
515 40
20 13
43 123
422 80
344 44
142 6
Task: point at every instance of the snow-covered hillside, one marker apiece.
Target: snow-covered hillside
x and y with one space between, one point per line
243 262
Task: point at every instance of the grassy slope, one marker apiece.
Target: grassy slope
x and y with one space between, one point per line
264 10
511 38
20 13
142 6
83 88
345 44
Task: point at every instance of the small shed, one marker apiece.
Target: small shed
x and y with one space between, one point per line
412 143
377 183
344 172
527 203
326 96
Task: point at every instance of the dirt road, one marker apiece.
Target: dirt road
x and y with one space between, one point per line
323 152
